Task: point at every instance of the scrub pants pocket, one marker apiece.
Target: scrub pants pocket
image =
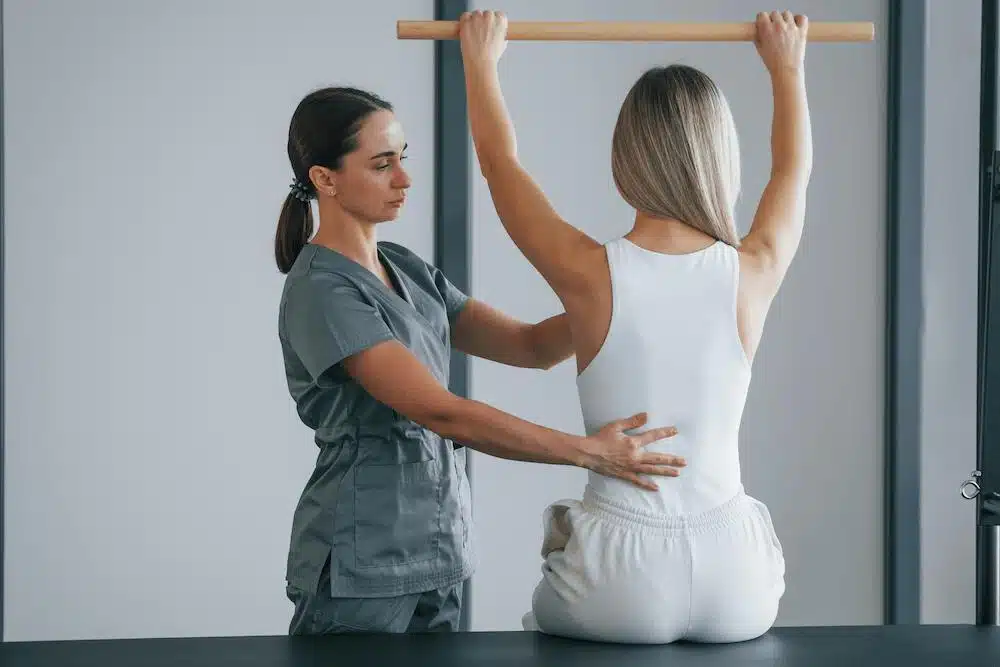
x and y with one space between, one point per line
320 615
317 613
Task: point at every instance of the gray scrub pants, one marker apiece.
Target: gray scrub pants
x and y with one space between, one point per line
317 613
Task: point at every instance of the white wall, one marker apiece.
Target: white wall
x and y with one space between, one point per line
815 407
153 456
951 257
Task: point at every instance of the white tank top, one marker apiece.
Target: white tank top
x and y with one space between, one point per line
673 351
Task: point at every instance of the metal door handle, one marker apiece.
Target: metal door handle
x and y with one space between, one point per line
970 488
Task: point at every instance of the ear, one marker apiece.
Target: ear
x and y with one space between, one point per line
324 180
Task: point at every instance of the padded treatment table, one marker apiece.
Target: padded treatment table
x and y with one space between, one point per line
837 646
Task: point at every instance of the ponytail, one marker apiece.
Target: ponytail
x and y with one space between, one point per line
295 228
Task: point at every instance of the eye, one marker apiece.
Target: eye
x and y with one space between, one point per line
383 167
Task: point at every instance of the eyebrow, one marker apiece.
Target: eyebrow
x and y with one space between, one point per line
388 153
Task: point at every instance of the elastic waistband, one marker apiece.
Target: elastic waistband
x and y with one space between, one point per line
618 512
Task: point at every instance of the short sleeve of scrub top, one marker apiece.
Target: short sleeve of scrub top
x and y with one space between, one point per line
329 321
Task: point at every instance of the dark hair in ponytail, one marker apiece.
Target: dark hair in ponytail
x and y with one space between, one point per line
324 128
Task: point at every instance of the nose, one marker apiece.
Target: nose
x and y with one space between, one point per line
402 180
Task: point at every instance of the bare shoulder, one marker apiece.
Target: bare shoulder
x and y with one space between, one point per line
592 256
586 267
587 283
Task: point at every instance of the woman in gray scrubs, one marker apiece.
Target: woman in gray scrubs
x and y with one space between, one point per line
381 538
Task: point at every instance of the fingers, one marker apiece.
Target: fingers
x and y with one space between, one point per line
638 481
781 19
654 434
483 15
659 471
648 458
660 466
635 421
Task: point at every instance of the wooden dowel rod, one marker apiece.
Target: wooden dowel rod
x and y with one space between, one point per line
637 31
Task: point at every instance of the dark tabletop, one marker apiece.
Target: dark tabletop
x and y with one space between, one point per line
838 646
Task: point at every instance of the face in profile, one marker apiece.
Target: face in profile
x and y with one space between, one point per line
371 183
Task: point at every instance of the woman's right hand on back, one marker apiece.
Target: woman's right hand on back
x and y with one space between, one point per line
781 40
614 453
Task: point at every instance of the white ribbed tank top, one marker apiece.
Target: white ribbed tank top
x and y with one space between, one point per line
673 351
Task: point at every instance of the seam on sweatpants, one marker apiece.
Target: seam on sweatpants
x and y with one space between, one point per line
690 549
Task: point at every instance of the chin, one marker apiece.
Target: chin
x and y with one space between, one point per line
390 216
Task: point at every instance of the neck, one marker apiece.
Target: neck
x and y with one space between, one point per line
667 235
349 236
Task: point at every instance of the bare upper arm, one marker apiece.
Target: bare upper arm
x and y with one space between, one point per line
573 264
776 230
767 251
488 333
563 255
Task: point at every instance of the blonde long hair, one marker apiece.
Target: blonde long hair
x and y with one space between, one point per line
675 152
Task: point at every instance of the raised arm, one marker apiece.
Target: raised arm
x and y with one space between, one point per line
566 257
778 223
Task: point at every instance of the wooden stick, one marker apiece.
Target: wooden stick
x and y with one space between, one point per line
637 31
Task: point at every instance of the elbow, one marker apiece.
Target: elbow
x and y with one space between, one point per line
544 364
442 416
542 351
532 350
493 161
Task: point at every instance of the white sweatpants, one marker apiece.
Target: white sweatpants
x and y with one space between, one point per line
614 574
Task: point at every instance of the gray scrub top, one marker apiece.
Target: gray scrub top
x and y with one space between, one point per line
388 501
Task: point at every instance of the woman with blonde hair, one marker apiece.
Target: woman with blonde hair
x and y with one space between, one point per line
664 320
